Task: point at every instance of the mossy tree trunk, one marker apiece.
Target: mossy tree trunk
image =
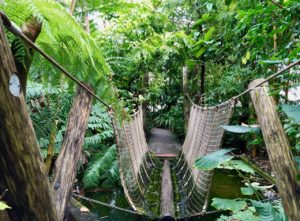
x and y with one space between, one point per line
20 160
186 102
65 168
51 147
278 149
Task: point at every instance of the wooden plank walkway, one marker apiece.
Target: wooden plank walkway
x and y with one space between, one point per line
165 145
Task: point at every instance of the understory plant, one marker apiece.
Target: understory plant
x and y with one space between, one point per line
102 170
49 105
4 206
252 207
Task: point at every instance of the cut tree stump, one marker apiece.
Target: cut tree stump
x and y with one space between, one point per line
20 160
65 168
278 149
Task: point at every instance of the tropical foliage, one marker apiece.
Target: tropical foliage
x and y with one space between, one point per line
132 53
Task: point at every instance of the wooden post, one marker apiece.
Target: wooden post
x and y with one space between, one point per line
20 160
51 147
66 164
278 149
65 168
167 203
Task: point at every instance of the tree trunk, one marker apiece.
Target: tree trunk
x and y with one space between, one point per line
186 102
51 147
167 203
145 104
66 164
278 149
65 169
20 160
87 24
203 70
31 29
252 120
72 7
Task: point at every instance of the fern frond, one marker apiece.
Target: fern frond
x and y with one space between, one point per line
98 168
63 38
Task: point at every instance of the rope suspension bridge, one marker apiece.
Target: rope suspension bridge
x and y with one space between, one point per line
204 135
137 163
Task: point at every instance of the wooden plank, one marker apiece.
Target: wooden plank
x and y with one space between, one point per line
278 149
66 164
167 201
20 160
166 155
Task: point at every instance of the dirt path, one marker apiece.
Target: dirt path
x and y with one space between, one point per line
163 142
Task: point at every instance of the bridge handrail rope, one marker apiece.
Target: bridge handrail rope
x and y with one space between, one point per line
16 31
107 205
134 212
288 67
141 214
197 175
204 135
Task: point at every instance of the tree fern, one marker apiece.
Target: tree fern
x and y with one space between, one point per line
99 128
46 105
101 170
64 39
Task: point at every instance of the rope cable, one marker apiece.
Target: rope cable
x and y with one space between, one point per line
16 31
204 135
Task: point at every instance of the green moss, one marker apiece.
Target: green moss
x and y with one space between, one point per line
153 192
175 190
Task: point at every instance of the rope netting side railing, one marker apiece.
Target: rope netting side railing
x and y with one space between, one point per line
135 161
204 135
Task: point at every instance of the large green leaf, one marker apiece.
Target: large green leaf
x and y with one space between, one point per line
237 165
4 206
251 188
209 33
257 186
297 160
240 129
213 160
292 111
243 215
231 3
228 204
200 52
267 212
248 191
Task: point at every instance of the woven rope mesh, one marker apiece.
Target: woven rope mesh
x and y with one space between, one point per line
204 135
135 162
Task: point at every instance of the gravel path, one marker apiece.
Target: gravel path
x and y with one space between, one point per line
162 141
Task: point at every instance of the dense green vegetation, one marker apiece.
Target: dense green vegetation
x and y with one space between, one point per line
133 53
